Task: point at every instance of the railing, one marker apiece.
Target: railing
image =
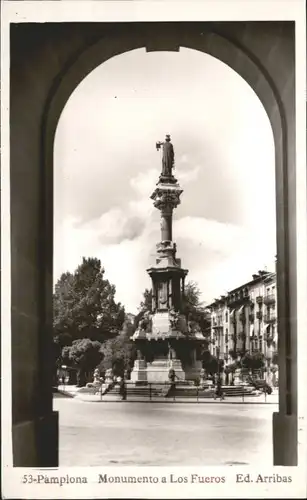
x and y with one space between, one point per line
180 392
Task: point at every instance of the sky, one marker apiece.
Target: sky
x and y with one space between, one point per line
106 167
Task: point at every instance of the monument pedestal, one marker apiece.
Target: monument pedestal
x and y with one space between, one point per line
163 335
237 377
158 370
139 372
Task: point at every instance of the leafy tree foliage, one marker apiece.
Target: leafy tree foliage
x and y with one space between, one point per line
84 305
119 354
85 355
194 309
253 361
211 363
145 305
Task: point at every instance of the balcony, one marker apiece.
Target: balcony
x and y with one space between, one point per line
270 318
238 298
269 299
259 315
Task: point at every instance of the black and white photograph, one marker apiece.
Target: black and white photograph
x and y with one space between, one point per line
154 249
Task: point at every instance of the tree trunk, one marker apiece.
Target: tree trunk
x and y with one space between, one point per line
81 378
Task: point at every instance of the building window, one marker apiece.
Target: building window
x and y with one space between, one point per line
226 316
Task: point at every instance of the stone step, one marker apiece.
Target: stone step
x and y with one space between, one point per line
185 391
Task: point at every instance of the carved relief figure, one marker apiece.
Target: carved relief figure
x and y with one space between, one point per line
174 319
162 297
144 323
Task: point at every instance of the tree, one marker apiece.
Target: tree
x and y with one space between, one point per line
211 363
119 354
192 296
84 305
85 355
145 305
194 309
253 361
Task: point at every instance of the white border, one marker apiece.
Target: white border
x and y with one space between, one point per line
169 10
217 10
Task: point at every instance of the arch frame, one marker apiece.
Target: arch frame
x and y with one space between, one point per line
237 47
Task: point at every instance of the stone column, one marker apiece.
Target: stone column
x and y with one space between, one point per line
166 223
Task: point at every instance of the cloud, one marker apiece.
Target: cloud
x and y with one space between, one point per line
188 175
212 235
143 183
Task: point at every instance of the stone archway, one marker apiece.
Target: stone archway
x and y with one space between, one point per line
48 61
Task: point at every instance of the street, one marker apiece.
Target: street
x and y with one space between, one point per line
160 434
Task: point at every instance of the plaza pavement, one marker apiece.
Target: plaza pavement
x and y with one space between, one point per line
162 433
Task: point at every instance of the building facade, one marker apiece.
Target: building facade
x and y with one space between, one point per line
245 321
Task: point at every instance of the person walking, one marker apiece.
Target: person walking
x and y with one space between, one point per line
123 389
218 390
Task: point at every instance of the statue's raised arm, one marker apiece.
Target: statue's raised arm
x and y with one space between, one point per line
168 156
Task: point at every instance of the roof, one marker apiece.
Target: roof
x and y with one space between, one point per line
264 276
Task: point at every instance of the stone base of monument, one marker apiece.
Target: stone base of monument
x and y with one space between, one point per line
237 377
158 370
139 372
192 372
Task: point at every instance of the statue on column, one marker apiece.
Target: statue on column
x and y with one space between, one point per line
168 156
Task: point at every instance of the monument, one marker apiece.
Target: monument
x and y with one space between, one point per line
164 338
